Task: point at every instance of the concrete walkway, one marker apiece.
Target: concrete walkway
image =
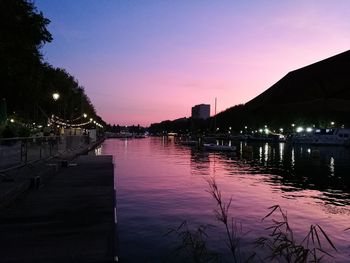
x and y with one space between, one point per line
71 219
17 180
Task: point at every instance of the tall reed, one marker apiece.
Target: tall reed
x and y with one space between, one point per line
280 243
283 245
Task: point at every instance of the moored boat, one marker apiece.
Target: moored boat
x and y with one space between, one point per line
215 147
336 136
188 143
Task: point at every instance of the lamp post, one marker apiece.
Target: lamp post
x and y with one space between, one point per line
55 97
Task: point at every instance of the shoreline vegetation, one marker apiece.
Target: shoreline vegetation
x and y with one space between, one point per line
280 244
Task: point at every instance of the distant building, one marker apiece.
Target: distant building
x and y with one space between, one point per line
201 111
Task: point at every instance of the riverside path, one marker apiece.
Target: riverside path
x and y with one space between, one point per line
71 219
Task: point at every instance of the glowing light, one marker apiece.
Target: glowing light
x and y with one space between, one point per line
245 127
56 120
12 120
281 129
84 115
332 122
260 130
331 166
267 131
308 129
56 96
293 124
300 129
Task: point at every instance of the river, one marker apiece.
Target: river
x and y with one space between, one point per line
161 184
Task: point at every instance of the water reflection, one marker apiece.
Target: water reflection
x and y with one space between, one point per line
98 150
300 168
331 167
281 151
160 184
200 162
293 168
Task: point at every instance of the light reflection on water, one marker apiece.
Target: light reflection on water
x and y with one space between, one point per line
159 184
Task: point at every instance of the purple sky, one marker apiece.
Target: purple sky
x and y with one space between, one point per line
147 61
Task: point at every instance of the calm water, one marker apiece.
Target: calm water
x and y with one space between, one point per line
160 184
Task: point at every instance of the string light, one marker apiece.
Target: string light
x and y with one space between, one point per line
57 120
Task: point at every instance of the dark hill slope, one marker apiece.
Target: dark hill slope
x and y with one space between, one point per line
315 93
328 79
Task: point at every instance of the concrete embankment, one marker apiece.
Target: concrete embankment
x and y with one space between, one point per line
16 181
71 219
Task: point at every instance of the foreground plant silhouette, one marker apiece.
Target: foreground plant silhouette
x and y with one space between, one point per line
232 229
280 243
193 247
284 247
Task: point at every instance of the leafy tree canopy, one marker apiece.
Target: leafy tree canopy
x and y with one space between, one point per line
27 82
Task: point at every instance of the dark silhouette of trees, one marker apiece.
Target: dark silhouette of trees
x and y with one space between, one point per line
182 126
27 82
22 33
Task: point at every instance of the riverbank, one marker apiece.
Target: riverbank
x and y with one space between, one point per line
17 180
71 219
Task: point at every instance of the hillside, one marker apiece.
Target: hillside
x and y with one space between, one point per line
315 93
328 79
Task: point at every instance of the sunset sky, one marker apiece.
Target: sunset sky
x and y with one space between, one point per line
146 61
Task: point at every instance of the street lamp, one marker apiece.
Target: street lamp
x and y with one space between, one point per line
55 96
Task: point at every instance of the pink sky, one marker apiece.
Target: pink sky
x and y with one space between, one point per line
146 62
